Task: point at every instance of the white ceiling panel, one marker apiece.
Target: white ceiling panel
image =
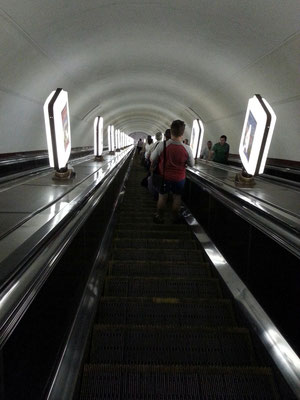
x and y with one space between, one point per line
141 64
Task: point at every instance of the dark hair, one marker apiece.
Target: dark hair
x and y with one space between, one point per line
168 134
149 139
177 128
223 137
209 141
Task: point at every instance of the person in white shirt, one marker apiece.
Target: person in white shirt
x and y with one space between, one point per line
147 145
158 137
206 151
139 145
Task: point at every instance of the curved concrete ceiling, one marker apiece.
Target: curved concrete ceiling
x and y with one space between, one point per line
141 64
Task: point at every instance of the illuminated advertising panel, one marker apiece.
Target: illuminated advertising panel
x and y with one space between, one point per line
117 138
112 138
108 138
197 137
256 135
58 131
98 136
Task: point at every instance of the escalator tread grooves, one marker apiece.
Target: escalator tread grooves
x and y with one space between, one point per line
144 382
163 329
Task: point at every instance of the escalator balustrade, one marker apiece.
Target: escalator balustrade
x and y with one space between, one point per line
164 329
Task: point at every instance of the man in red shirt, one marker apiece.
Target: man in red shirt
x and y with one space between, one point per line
178 155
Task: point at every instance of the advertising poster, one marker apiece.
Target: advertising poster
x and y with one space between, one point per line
193 139
65 124
249 135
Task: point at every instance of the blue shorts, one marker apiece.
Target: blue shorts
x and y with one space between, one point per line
172 186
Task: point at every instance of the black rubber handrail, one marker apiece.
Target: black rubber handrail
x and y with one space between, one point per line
286 235
65 378
37 257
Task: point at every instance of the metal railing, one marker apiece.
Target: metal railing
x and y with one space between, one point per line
63 385
284 229
278 348
21 289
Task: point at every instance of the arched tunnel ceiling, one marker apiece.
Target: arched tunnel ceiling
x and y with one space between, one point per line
141 64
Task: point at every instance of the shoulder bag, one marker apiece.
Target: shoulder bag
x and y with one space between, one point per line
158 180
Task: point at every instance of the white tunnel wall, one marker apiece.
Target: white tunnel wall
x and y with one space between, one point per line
276 77
141 65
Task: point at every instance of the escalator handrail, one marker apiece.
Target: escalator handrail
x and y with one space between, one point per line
35 171
20 158
279 230
22 288
279 349
64 382
293 170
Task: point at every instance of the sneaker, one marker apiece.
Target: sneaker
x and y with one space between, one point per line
157 219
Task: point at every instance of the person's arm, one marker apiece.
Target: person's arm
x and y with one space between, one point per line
156 153
190 161
227 154
150 150
211 153
205 154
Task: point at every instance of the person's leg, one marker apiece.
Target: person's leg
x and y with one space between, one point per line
177 192
161 204
176 204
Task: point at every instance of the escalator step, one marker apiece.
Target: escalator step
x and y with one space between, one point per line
139 215
155 244
108 382
137 212
158 255
141 219
162 287
165 269
159 311
152 227
171 346
164 331
145 203
138 204
155 234
133 202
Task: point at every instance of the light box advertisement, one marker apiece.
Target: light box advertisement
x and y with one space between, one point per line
117 139
111 138
256 135
58 131
108 138
197 137
98 136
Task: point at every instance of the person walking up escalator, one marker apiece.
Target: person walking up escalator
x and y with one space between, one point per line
172 167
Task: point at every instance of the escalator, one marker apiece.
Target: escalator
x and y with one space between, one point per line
164 327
